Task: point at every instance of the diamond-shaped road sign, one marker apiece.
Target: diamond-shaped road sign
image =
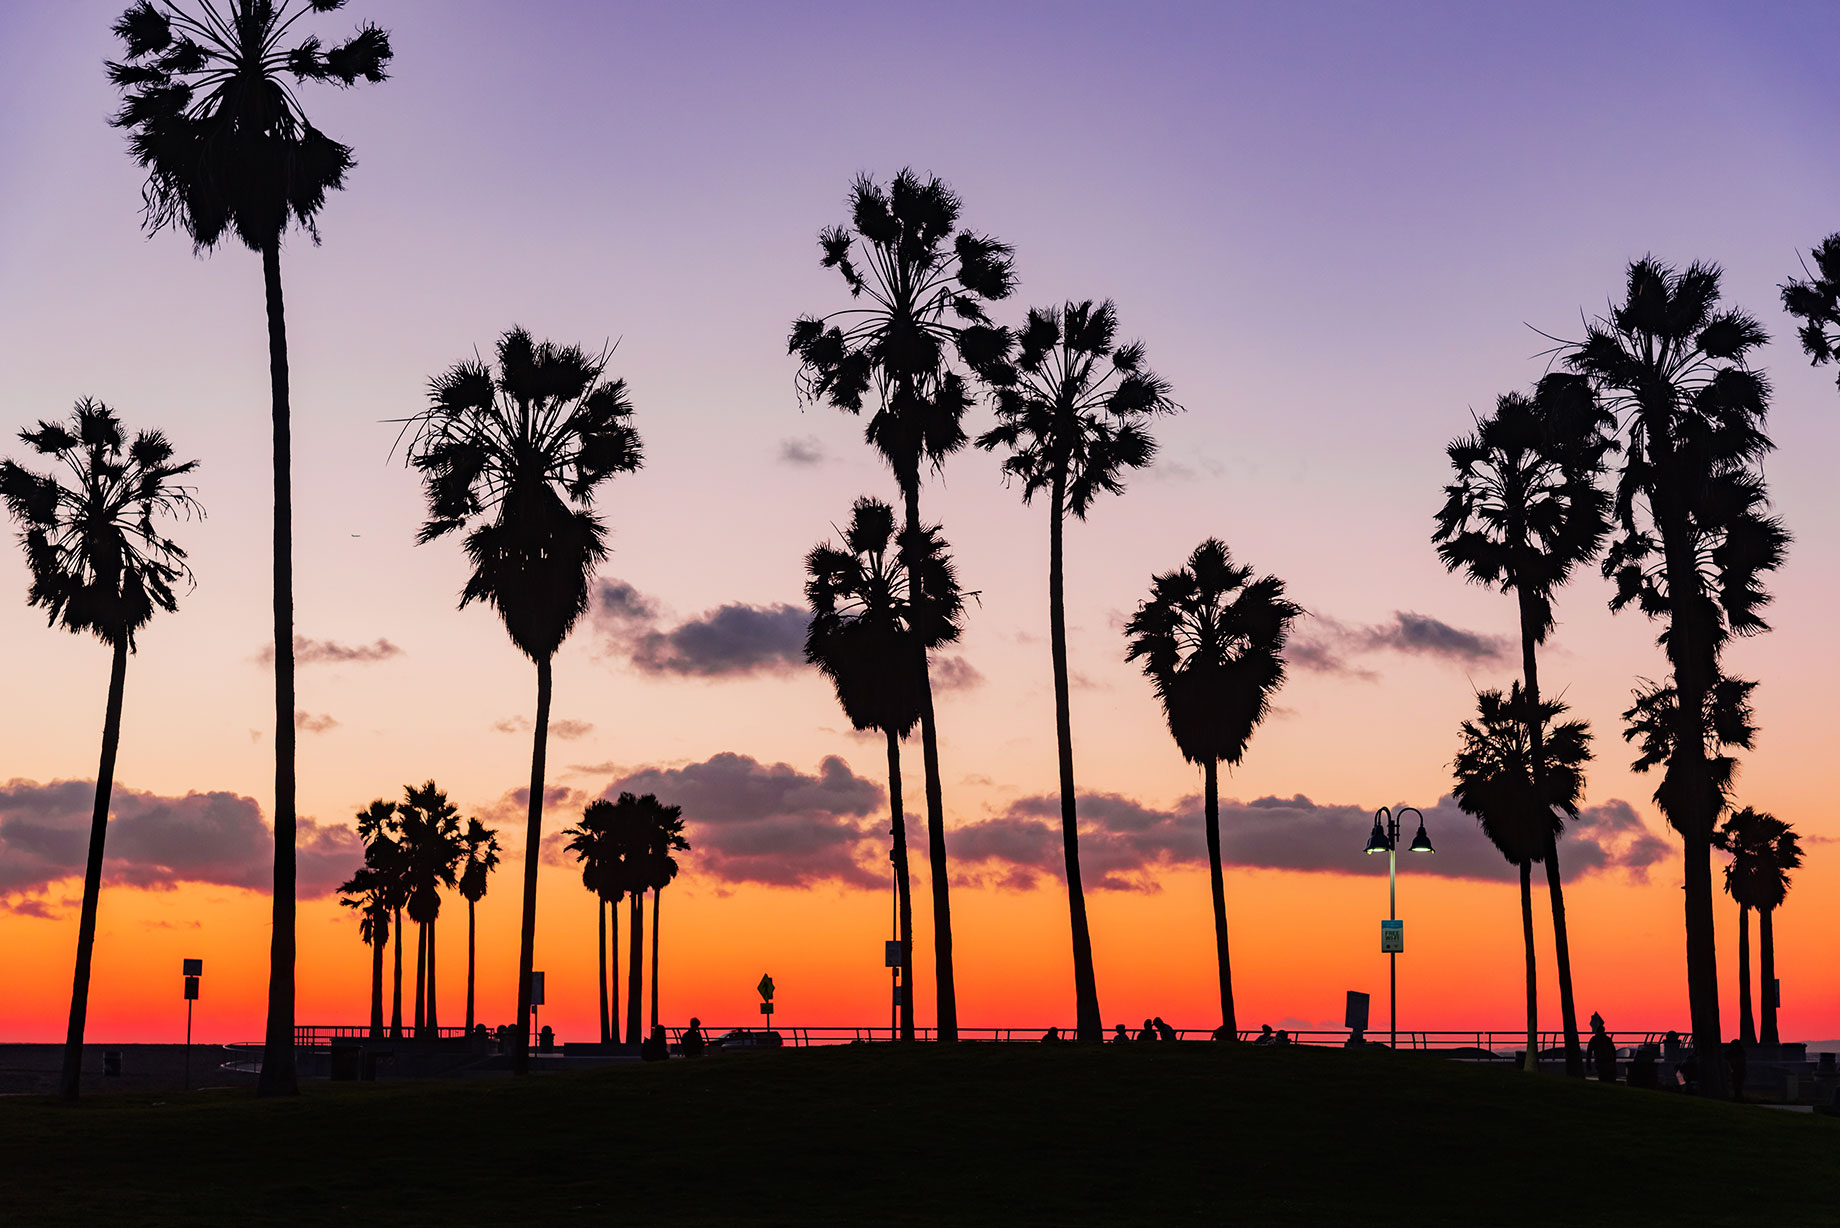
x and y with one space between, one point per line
766 987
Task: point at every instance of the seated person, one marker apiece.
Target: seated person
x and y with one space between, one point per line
1264 1037
692 1041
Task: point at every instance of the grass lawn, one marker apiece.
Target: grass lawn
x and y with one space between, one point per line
1013 1134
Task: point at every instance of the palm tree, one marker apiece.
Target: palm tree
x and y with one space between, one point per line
667 837
98 565
1695 541
1816 303
230 154
630 826
590 841
1524 511
1735 837
431 853
863 617
1515 772
1074 420
1781 852
367 891
515 457
1763 849
918 289
381 832
1211 639
478 858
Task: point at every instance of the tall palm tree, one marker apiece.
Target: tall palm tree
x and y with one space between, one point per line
478 858
1764 849
514 456
1524 511
230 155
1816 303
1211 639
1074 420
367 891
591 843
1781 852
99 565
630 827
1695 540
432 852
864 616
1736 837
1516 771
918 285
381 831
667 837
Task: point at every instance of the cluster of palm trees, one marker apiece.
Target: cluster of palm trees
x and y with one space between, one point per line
413 849
625 848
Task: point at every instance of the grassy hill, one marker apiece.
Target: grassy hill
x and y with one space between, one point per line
1017 1134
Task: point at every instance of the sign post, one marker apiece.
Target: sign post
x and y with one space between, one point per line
766 999
192 970
536 1000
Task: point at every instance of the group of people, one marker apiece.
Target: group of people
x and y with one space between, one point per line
657 1046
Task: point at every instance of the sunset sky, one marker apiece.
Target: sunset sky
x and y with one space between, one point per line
1336 227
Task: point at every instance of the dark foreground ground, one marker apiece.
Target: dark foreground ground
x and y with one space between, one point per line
1162 1134
144 1068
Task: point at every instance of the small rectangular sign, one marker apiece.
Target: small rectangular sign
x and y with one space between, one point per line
900 994
1356 1017
891 953
536 989
766 1008
191 988
1392 937
194 967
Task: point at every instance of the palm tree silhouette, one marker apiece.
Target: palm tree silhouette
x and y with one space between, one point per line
863 620
1515 771
919 286
99 565
367 891
1211 639
591 842
1695 540
1763 849
380 830
1074 421
1524 511
630 827
517 455
1816 303
230 154
1735 837
667 837
478 858
431 853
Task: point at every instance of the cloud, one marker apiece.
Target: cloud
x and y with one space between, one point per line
306 722
1325 644
331 652
954 674
156 842
566 730
753 822
805 452
730 641
1126 845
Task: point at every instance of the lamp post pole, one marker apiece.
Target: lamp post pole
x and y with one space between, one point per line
1385 836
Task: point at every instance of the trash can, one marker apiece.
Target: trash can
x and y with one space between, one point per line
546 1040
111 1063
346 1062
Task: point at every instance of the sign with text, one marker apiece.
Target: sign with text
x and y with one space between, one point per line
1392 937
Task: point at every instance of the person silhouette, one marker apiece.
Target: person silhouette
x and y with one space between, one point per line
1735 1060
1284 1038
1163 1030
1264 1037
1051 1037
692 1041
655 1048
1223 1032
1602 1050
1120 1035
1147 1032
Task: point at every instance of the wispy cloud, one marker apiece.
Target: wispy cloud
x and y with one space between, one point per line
731 641
804 452
331 652
306 722
1326 645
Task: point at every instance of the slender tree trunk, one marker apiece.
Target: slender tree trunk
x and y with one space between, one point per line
635 971
1090 1027
904 900
1227 1019
1766 939
396 1032
533 848
421 979
471 932
612 995
278 1077
600 916
1562 947
1533 972
434 1014
945 994
655 893
376 1029
72 1076
1747 1023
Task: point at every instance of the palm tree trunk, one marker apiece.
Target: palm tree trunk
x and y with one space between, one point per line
471 931
396 1031
434 1015
945 995
635 972
1090 1029
72 1074
1533 972
278 1077
1766 940
610 993
1747 1024
376 1029
1536 734
600 917
1227 1019
533 847
904 900
421 979
655 893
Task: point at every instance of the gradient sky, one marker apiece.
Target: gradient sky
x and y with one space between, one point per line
1336 227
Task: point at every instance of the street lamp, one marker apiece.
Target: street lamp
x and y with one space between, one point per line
1385 839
